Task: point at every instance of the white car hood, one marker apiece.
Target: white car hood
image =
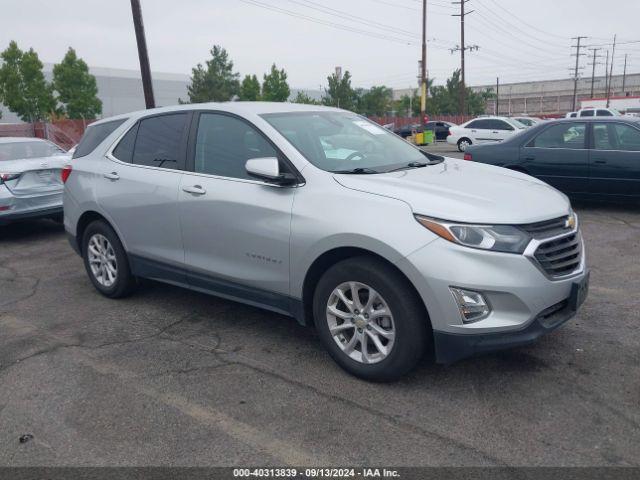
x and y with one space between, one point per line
466 191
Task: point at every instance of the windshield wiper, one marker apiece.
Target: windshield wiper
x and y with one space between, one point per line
358 171
409 165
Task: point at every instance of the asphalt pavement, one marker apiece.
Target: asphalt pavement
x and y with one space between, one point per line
173 377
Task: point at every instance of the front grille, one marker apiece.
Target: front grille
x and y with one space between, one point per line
561 256
547 228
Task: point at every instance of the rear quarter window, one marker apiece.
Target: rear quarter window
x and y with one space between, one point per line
94 135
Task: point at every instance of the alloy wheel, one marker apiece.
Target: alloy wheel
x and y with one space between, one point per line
102 260
361 322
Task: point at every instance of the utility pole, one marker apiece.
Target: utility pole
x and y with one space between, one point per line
143 55
606 74
462 49
613 52
497 96
624 75
575 75
423 68
593 71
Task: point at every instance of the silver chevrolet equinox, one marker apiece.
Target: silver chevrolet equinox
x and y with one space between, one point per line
320 214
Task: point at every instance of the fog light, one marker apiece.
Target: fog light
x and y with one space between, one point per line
472 305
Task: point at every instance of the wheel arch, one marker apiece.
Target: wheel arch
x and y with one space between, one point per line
85 220
329 258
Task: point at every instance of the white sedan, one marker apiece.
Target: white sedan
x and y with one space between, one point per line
483 130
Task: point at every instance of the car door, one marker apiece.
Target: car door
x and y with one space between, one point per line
138 190
480 131
235 228
500 130
558 156
615 159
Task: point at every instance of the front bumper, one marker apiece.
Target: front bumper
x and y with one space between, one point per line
525 303
451 347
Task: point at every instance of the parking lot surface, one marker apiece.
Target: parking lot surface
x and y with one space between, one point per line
173 377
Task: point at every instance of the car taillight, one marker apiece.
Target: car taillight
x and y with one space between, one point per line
66 171
467 156
449 133
5 177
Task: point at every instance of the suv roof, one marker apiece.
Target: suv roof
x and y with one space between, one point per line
257 108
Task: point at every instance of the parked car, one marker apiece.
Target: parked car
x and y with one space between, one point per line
598 112
440 128
528 121
483 130
30 179
591 157
389 251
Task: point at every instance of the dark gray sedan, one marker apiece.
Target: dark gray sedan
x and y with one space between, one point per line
590 157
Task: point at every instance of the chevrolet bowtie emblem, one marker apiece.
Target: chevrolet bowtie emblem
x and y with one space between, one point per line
571 222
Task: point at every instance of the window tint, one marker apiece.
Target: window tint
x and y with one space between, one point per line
160 141
587 113
94 135
124 150
604 113
616 136
225 143
563 135
573 115
480 124
500 125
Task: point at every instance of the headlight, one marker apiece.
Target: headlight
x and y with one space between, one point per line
499 238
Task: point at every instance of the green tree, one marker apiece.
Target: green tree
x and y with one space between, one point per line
302 97
217 82
340 93
445 99
23 88
76 87
376 101
274 86
250 89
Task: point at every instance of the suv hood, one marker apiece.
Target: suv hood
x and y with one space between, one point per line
464 191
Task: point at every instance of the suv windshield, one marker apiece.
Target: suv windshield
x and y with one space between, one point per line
22 150
343 141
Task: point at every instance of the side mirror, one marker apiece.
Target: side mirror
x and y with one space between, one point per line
268 169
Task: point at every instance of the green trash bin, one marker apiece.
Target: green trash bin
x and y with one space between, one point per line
428 137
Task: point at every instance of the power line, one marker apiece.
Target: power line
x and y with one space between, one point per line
353 18
593 63
327 23
528 24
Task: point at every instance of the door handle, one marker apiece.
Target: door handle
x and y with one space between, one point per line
112 176
495 131
600 161
530 158
473 131
194 190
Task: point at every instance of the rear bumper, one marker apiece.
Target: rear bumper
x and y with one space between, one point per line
30 214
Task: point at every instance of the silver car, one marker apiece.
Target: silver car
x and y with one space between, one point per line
30 179
319 214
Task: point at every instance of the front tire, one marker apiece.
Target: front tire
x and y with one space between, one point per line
106 261
463 143
370 319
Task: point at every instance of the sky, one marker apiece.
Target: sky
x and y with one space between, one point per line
378 41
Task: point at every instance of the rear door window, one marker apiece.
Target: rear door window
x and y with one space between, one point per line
94 135
604 113
563 135
480 124
616 136
587 113
161 141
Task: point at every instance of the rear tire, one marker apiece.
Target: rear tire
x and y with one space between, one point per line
463 143
401 336
106 261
